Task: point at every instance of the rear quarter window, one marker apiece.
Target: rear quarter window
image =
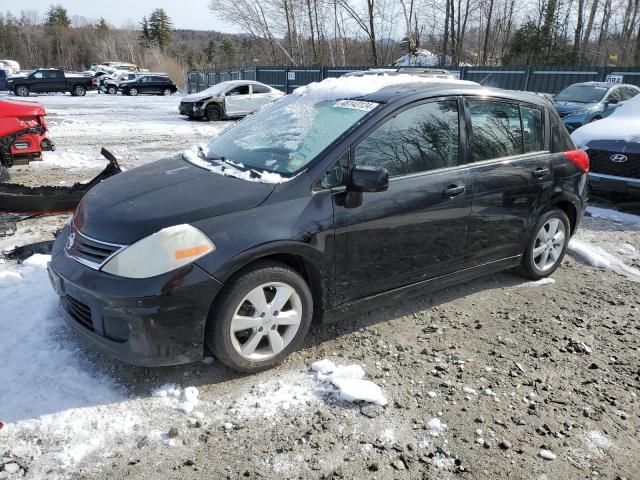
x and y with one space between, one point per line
560 138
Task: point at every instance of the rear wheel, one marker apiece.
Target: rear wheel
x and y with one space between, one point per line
213 113
133 91
79 91
547 245
22 91
260 317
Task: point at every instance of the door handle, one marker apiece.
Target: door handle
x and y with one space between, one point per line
540 172
454 190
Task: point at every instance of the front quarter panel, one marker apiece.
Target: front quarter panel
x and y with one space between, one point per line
300 226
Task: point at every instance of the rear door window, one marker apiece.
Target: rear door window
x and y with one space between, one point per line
418 139
496 129
259 89
531 128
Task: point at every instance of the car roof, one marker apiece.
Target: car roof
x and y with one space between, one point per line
603 84
243 82
405 91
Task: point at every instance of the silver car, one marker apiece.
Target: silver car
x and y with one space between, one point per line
235 98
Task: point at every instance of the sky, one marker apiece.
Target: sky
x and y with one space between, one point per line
187 14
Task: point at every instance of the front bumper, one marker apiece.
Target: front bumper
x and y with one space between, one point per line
192 110
612 183
149 322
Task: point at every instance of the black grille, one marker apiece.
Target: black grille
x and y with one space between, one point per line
80 312
601 163
89 251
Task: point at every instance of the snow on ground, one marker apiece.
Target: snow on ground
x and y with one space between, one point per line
600 258
136 129
349 380
614 215
60 411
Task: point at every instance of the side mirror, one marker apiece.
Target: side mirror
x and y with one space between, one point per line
368 179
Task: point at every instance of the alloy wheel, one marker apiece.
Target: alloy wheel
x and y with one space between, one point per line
549 244
133 91
166 92
266 321
22 91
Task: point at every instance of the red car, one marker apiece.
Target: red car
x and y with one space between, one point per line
22 133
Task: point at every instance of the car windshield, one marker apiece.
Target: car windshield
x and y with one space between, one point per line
582 94
285 136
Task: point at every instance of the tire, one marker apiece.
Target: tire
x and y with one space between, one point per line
112 90
213 113
265 342
22 91
133 91
79 91
167 92
535 266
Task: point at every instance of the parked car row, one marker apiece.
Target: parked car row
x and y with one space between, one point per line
136 83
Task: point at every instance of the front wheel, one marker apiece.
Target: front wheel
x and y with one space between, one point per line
260 317
22 91
547 245
166 92
112 90
213 113
133 92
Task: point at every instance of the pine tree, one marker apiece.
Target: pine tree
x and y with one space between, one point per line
229 49
57 16
160 28
102 26
145 36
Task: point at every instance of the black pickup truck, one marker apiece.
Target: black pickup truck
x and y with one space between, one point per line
50 80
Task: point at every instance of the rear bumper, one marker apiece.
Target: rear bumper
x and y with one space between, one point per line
149 322
612 183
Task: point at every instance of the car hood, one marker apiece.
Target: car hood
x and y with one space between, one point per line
624 128
15 108
135 204
197 97
563 107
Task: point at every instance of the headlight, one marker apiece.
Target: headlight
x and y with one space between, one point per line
166 250
578 112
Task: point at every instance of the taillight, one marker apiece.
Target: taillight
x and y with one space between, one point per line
579 158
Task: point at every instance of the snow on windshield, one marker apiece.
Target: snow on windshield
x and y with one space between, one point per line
284 136
623 124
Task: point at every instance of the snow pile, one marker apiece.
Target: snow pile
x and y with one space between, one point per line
597 440
436 427
537 283
600 258
191 155
176 397
616 216
273 397
422 57
626 249
349 380
623 124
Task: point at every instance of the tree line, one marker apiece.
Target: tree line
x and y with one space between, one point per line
489 32
337 32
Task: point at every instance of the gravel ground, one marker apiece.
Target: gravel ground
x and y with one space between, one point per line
495 378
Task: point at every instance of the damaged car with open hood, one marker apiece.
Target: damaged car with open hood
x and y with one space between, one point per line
346 192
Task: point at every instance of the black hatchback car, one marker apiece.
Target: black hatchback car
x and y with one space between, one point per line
148 84
333 196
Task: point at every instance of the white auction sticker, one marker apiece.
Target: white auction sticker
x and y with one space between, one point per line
356 105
